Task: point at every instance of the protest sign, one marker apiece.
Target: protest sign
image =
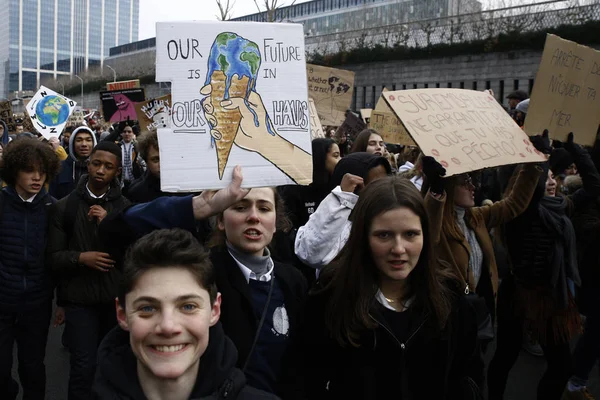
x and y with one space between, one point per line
123 85
390 128
351 127
6 115
49 112
565 97
154 114
465 130
234 83
77 118
119 105
316 129
332 90
365 114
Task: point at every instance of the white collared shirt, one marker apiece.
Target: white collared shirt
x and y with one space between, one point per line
29 200
249 274
92 195
384 302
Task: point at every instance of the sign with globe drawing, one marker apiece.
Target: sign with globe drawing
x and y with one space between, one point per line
49 112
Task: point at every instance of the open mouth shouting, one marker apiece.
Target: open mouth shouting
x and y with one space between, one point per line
253 234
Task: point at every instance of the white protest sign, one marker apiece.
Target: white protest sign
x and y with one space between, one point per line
49 112
465 130
565 96
234 83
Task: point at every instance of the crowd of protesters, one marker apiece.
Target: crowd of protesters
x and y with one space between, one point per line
382 279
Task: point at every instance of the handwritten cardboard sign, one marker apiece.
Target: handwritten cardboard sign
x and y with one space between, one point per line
365 114
77 118
390 128
465 130
6 115
49 112
154 114
234 83
119 105
351 127
316 129
566 94
332 90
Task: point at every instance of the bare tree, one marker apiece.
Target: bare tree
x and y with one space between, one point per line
225 9
269 8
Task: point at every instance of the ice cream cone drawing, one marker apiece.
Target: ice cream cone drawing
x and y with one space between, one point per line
232 69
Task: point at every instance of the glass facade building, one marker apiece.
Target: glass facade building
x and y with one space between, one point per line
47 38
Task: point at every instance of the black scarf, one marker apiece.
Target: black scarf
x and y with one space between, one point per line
552 211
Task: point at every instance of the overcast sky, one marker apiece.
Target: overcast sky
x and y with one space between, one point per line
152 11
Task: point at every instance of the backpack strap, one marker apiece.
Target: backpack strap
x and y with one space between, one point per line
70 214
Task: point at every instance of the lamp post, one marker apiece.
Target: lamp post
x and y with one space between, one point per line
113 70
81 80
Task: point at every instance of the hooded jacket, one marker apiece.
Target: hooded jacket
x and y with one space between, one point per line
5 138
327 230
79 284
218 378
72 169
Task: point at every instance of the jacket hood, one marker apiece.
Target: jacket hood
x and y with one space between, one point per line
406 167
72 140
5 138
116 374
357 164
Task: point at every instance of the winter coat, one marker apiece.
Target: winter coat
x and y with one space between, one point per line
79 284
218 378
147 188
481 220
136 168
71 169
302 201
425 364
25 279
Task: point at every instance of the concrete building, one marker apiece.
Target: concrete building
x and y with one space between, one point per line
47 38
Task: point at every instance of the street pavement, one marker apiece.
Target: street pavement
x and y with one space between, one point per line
522 381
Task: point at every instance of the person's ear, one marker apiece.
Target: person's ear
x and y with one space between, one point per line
215 312
121 316
220 224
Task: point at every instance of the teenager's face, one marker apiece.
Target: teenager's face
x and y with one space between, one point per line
396 242
571 170
29 182
249 224
464 192
153 161
333 156
168 316
375 145
127 134
66 137
103 167
19 129
550 185
83 145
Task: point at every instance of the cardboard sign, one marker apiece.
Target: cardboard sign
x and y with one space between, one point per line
332 91
6 115
49 112
316 129
566 95
123 85
390 128
365 114
234 83
465 130
351 127
77 118
154 114
119 105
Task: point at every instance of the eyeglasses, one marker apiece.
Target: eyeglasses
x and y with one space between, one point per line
467 181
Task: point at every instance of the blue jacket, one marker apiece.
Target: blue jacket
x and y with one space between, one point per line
25 282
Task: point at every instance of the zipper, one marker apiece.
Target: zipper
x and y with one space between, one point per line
402 345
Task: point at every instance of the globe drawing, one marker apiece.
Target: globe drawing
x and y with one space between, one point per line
52 110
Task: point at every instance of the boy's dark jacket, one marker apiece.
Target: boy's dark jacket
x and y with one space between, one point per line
79 284
25 279
218 378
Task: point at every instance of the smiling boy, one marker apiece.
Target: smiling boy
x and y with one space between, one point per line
169 343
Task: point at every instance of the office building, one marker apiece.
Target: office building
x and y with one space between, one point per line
47 38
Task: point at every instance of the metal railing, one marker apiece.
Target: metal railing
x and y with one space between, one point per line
460 28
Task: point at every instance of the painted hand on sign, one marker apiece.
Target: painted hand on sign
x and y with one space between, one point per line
255 132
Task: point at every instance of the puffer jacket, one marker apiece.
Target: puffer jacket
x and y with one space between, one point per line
79 284
25 280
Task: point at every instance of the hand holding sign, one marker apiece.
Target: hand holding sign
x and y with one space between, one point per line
435 172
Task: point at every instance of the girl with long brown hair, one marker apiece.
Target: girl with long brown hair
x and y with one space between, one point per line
387 320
